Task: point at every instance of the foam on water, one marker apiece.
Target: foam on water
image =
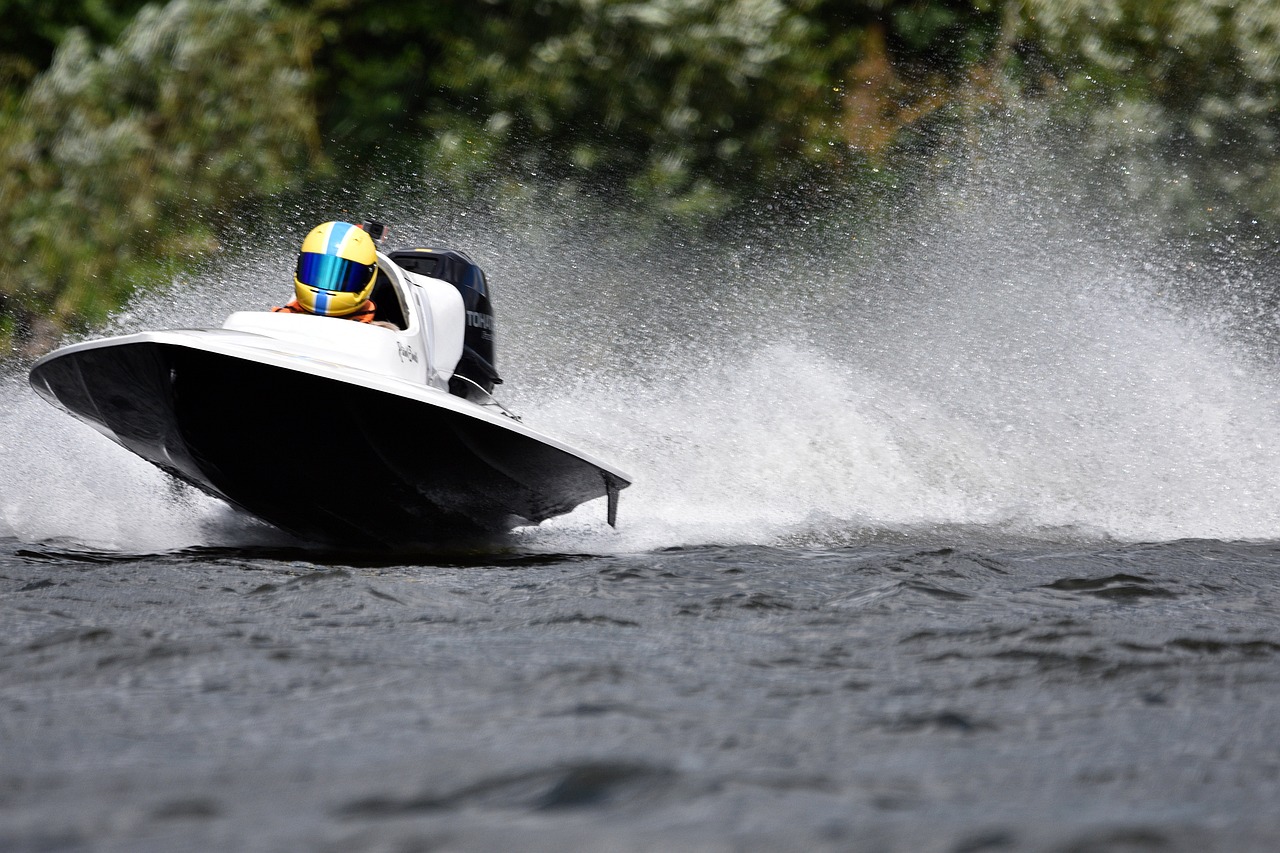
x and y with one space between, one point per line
993 361
64 483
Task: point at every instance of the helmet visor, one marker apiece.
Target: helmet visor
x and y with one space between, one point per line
329 272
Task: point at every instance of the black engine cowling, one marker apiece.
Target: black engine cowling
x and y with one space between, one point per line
477 362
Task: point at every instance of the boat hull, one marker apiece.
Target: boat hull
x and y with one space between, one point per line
315 450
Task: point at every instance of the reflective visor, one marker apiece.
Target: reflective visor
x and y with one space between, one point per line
329 272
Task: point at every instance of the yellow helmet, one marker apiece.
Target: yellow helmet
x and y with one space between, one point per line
336 269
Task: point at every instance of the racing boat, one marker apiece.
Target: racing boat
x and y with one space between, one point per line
339 432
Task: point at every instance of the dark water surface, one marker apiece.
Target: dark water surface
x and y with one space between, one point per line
876 697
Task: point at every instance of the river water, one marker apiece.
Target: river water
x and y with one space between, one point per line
954 538
891 696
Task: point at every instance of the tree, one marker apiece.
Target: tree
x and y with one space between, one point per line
1191 84
120 163
680 101
34 28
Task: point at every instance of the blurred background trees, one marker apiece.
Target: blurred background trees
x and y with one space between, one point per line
119 163
132 136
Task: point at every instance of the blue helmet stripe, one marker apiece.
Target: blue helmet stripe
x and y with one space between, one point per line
336 236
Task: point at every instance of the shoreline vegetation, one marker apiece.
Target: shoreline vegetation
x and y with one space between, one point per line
137 138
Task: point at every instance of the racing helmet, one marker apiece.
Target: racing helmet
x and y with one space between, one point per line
336 269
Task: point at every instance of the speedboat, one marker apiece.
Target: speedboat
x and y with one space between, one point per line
339 432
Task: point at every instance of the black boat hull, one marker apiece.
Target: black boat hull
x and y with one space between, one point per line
324 458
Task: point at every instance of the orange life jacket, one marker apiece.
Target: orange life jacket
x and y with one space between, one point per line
363 314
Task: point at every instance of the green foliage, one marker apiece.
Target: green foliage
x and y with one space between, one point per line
375 62
120 163
1194 84
33 29
679 101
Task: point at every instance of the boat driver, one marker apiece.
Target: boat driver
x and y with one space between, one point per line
336 270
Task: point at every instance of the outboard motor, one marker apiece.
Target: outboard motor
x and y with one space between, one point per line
477 362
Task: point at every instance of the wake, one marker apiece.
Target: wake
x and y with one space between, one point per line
986 363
